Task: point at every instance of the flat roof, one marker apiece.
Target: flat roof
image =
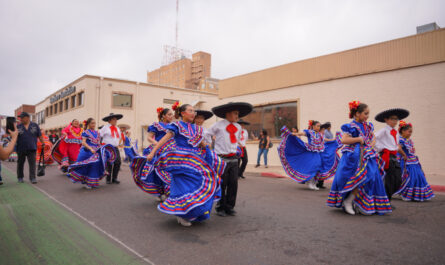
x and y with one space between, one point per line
411 51
126 81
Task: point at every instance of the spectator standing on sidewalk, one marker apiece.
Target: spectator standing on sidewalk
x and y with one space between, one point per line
263 147
26 146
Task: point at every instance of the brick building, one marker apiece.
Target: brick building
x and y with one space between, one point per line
183 73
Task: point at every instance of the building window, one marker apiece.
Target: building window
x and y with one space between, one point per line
211 86
46 112
73 101
55 108
122 100
60 106
80 99
50 110
67 103
169 101
271 118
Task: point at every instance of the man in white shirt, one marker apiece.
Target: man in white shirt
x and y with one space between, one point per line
243 159
227 133
112 135
387 144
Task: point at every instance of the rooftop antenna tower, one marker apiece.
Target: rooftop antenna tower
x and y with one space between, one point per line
174 53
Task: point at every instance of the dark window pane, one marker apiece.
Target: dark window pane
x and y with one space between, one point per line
271 118
122 100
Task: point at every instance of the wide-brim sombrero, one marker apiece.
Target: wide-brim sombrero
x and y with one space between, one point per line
112 115
244 109
243 122
205 113
124 126
400 113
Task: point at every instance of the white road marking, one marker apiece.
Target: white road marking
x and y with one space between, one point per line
95 226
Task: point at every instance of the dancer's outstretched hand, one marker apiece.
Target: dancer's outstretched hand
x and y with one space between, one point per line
150 157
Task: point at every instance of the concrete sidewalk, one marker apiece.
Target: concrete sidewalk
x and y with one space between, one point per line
436 181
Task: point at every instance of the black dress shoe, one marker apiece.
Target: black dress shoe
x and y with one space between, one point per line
257 165
242 177
231 212
221 213
20 180
108 181
116 181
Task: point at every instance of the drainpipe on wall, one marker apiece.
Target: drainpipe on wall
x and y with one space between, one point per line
98 88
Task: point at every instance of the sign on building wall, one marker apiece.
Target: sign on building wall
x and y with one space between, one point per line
68 91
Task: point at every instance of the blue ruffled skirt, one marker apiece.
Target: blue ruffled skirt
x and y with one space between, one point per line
365 174
90 168
195 182
414 185
147 176
303 165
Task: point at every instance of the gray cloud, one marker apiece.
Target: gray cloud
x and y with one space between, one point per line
47 44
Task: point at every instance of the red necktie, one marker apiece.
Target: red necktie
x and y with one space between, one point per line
394 134
114 132
231 129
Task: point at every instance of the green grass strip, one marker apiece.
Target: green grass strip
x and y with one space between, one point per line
36 230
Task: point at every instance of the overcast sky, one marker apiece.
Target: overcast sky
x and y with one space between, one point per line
46 44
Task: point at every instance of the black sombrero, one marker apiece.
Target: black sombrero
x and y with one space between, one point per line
400 113
243 122
112 115
244 109
205 113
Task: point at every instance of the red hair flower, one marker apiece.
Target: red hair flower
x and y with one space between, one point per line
311 122
354 104
175 106
158 110
404 124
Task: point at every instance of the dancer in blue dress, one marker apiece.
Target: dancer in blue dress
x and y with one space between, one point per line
148 178
414 185
130 148
194 168
359 178
308 162
91 162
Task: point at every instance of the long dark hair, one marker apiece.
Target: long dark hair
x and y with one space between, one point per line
180 109
87 122
162 113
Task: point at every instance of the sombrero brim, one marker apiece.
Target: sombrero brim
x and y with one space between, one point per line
117 116
243 108
400 113
205 113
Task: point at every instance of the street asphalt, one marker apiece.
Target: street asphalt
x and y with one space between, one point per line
278 221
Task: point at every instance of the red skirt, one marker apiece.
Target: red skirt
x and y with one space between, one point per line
65 151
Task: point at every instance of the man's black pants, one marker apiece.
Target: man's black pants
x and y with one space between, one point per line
393 177
242 162
113 168
229 186
22 156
